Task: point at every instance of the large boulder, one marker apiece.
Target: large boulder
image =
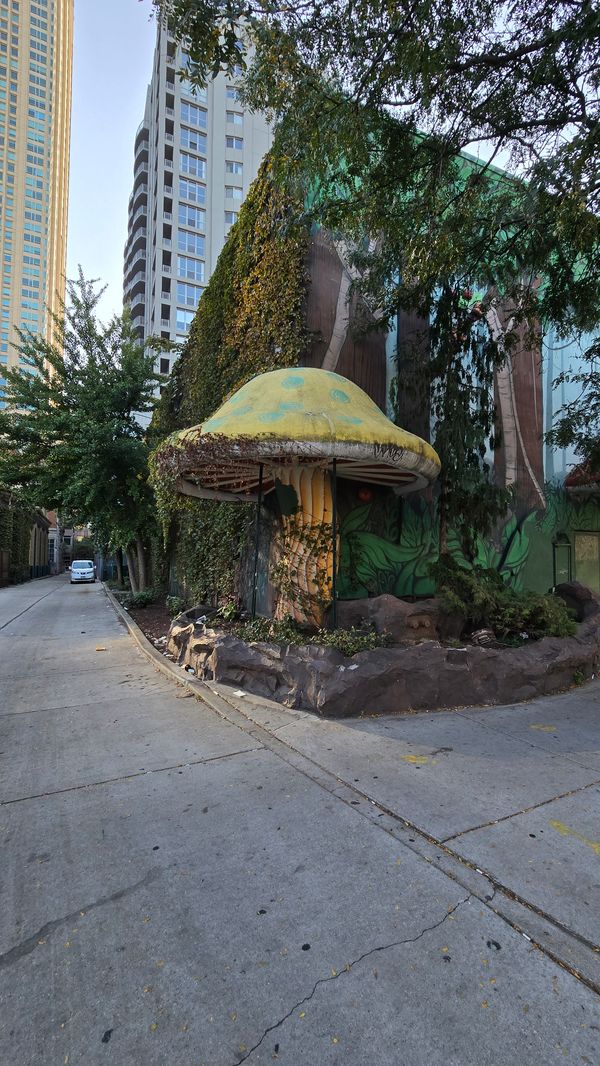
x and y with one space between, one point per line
579 599
405 622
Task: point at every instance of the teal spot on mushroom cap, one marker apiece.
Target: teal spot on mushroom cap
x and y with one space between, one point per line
243 410
214 423
294 381
351 420
291 406
271 416
341 397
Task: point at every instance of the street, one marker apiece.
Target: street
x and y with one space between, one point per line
187 884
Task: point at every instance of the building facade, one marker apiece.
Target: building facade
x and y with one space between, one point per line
196 153
36 51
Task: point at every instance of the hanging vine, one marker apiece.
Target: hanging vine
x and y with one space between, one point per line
251 319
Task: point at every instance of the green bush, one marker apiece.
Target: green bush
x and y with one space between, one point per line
138 599
348 641
175 605
484 600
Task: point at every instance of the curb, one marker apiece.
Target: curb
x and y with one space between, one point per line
569 951
164 665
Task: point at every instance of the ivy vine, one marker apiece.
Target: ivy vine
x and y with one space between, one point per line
251 319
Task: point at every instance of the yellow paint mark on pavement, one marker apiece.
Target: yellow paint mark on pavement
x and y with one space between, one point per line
543 728
415 760
566 831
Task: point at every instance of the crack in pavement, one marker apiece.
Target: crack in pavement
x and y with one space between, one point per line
525 810
527 742
129 777
26 947
346 969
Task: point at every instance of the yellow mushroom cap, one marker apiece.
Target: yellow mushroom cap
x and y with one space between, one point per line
305 416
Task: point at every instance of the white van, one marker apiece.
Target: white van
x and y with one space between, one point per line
82 570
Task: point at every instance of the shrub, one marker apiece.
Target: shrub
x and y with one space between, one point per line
138 599
483 599
175 605
348 641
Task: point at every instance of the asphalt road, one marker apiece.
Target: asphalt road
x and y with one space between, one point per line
184 884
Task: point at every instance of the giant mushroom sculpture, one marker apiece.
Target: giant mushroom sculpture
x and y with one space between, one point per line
300 428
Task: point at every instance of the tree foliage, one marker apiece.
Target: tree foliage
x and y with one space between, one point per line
69 433
375 104
520 79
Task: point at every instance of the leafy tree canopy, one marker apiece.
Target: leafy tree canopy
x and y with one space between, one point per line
70 438
374 104
378 100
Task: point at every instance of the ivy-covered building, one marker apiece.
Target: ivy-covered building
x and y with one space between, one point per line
281 296
23 541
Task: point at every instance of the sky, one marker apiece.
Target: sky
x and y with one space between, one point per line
112 64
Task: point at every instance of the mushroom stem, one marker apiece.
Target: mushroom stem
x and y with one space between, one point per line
305 550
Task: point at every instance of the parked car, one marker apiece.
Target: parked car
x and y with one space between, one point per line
82 570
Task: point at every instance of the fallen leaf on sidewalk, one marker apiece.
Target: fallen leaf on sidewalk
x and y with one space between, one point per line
100 648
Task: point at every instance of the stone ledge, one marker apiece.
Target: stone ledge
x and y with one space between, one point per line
425 676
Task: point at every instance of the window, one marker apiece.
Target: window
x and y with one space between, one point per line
193 90
235 118
165 366
190 268
196 116
184 320
188 295
232 93
191 190
190 242
233 193
190 164
230 217
192 216
231 167
235 142
192 139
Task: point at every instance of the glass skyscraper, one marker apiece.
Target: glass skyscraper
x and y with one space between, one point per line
36 53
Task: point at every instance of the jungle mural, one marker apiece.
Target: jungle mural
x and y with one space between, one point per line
387 545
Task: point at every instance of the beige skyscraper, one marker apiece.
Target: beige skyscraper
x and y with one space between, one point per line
36 54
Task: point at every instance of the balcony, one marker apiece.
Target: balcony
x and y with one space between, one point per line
142 168
165 323
141 190
136 259
170 111
166 269
165 296
167 242
138 323
167 216
169 138
169 164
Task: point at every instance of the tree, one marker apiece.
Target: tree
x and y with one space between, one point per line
374 104
69 433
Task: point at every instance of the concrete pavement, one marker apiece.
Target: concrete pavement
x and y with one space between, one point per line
185 884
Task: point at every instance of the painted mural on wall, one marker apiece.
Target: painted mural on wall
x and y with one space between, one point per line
388 545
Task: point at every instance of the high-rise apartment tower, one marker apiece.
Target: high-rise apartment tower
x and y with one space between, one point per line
36 56
196 153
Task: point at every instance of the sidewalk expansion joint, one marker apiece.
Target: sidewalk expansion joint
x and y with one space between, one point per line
346 969
131 777
26 947
525 810
330 782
